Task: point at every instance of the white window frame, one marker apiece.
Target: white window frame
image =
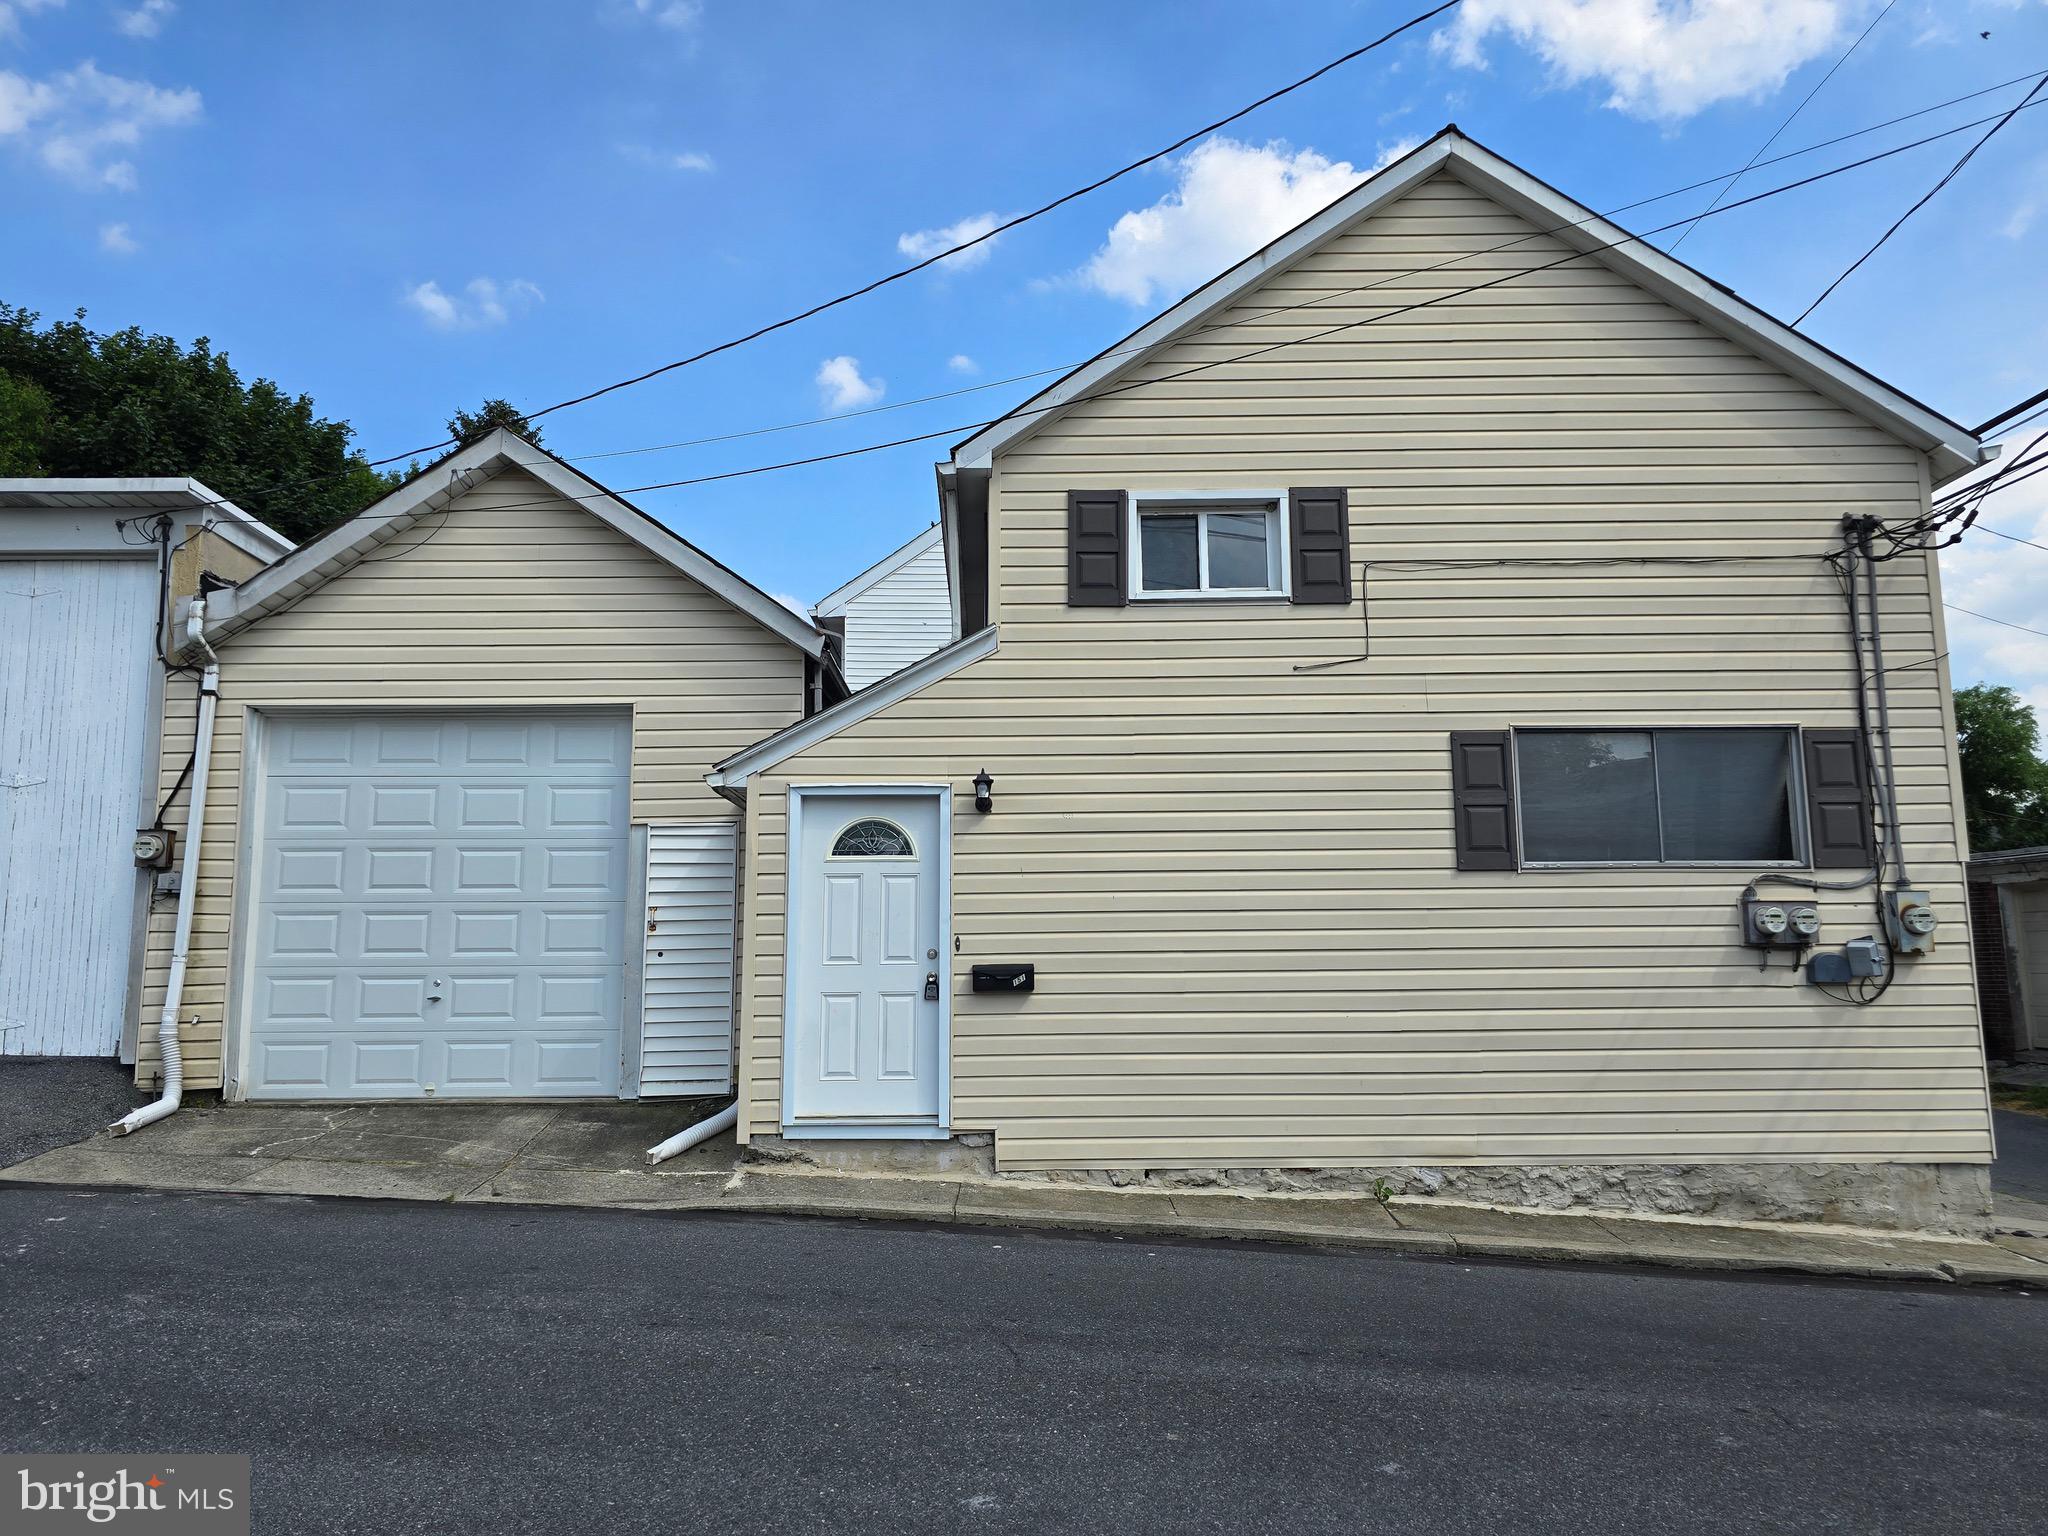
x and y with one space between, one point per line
1202 503
1795 800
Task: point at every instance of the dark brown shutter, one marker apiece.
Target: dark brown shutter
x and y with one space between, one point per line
1319 534
1838 810
1483 799
1095 549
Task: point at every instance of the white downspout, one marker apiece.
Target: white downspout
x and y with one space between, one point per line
703 1130
188 885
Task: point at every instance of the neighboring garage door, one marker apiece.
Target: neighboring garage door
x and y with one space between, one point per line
75 660
441 906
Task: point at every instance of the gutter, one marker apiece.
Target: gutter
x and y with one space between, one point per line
188 884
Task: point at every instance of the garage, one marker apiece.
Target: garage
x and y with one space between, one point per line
440 905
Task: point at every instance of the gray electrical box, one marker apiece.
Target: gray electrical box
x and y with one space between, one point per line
1857 960
1909 922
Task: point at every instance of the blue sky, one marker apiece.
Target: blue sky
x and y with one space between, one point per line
400 209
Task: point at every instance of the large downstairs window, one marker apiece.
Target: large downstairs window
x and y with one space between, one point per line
1690 795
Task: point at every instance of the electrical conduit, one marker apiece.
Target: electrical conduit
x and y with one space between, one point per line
188 886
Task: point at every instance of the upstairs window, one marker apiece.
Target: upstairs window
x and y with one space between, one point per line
1200 547
1692 795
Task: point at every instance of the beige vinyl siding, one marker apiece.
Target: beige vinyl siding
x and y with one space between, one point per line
515 598
204 550
1237 878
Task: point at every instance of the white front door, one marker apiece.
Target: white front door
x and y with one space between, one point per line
863 1028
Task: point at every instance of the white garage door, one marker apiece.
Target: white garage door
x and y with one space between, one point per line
441 907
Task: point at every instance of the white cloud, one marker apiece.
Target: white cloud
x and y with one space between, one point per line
484 302
116 240
960 362
146 20
923 244
1229 198
2009 581
11 12
795 605
843 387
1663 59
668 159
81 123
2030 200
675 15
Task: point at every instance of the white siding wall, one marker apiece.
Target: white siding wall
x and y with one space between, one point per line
687 991
1237 878
902 618
514 598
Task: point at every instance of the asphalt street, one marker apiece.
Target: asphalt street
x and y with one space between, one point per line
52 1101
397 1368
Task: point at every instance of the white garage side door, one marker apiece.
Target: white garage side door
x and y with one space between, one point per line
441 907
686 991
75 661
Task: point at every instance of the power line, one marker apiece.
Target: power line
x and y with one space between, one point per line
2027 404
1926 197
2009 537
1842 138
1383 282
965 245
1389 314
1384 315
1988 619
1805 102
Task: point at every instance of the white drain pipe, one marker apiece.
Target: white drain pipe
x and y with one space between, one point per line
188 886
703 1130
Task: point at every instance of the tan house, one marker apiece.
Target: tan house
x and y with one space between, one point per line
1406 722
1401 720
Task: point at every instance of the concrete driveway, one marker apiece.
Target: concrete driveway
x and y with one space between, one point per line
396 1151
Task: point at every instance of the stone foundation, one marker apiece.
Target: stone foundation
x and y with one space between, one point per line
1909 1197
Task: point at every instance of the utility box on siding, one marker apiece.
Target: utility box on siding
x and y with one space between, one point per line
686 1039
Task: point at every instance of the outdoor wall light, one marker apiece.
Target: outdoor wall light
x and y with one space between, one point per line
984 791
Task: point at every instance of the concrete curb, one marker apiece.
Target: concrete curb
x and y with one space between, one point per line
1414 1226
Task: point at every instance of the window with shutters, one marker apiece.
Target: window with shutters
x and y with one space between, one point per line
1684 795
1192 546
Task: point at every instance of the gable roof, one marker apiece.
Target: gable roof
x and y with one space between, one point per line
337 550
729 775
836 602
1952 448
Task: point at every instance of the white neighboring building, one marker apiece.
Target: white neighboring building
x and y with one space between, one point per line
893 613
86 567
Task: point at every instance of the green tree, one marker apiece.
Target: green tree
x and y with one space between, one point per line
467 426
76 402
2005 783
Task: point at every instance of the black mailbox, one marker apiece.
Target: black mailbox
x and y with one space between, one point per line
1005 978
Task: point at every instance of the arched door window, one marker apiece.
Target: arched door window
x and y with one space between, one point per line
873 838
